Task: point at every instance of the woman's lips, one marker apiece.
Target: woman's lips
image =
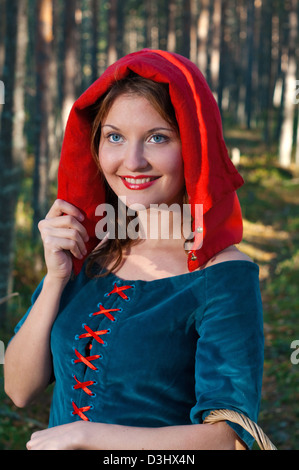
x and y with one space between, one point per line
138 182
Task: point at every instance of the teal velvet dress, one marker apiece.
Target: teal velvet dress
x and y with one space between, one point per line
159 353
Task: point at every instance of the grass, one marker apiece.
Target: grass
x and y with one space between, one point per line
269 201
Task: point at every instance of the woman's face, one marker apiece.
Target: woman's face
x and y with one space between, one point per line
140 154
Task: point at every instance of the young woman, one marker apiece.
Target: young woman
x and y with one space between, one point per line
143 334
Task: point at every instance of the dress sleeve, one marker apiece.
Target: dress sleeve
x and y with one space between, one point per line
230 347
33 299
73 286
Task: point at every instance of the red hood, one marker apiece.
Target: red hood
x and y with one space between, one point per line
211 179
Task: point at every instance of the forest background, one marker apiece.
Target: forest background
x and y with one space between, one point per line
52 50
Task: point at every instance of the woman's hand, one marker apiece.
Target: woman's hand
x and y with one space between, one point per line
64 437
62 234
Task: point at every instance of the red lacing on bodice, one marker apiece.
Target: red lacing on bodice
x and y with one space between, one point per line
119 290
89 359
106 312
86 360
79 411
84 386
94 334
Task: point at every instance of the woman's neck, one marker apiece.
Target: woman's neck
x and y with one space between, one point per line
161 223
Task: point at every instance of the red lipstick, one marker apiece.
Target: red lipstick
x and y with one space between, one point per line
138 182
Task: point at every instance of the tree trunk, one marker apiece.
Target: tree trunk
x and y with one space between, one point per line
2 34
236 71
222 54
203 37
151 25
121 28
19 141
44 51
11 159
264 67
297 142
95 39
186 43
250 55
215 20
70 59
148 22
193 31
171 34
112 32
287 129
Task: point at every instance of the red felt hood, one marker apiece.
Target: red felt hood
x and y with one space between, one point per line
211 179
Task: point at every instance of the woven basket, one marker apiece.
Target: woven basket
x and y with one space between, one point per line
262 440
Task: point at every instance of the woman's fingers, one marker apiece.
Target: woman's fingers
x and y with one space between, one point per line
57 244
62 229
61 207
63 234
66 222
71 235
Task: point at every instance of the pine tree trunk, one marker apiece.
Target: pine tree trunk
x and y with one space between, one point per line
203 36
10 159
264 67
70 59
112 32
2 34
250 54
222 51
297 142
287 129
215 19
44 51
186 43
19 142
95 39
171 34
193 31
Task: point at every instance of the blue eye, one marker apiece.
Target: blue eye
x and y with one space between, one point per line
158 139
114 138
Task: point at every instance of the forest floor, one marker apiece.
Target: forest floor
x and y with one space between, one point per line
270 201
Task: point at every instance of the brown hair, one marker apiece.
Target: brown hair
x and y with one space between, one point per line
158 95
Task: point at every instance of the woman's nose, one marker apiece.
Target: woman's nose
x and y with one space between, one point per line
134 158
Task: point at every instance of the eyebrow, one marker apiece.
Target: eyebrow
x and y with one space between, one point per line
155 129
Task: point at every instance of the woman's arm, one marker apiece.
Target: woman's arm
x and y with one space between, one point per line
28 363
98 436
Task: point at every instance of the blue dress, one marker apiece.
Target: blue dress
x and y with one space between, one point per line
159 353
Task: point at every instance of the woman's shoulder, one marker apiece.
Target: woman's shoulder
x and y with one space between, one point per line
231 253
231 272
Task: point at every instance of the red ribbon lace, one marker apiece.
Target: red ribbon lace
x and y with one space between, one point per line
106 312
94 334
79 411
84 386
87 360
119 290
